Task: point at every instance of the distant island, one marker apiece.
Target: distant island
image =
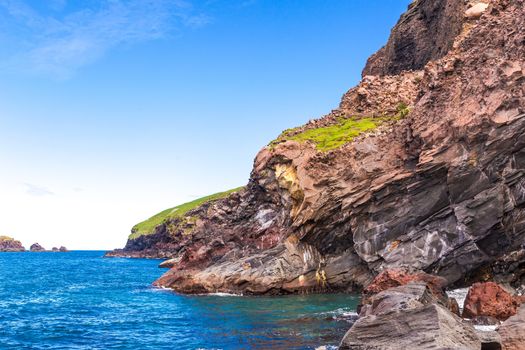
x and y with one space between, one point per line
9 244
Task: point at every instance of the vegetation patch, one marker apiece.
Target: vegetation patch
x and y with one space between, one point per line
148 226
334 136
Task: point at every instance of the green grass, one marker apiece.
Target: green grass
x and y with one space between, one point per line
148 226
334 136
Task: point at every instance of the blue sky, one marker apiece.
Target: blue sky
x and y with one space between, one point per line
111 111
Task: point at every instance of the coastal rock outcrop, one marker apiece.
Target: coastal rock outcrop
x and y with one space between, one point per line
422 165
36 248
8 244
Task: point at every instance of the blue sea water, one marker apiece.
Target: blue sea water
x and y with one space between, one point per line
80 300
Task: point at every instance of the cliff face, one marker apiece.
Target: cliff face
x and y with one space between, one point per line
425 32
423 169
8 244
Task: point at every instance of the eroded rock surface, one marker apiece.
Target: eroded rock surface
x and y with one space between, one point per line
441 189
409 317
490 299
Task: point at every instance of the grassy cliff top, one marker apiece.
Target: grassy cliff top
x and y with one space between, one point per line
334 136
148 226
6 238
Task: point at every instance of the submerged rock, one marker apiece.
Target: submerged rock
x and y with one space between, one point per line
37 248
8 244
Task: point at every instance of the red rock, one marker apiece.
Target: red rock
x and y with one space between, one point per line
490 299
399 277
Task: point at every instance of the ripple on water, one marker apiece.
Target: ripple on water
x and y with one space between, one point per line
80 300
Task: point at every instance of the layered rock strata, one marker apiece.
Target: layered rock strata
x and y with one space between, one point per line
409 317
434 179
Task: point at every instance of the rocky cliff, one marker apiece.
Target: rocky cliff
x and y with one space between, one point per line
8 244
421 166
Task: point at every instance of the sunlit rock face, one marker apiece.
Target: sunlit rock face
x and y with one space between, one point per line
421 166
8 244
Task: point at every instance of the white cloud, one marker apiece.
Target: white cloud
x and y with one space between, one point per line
59 44
37 191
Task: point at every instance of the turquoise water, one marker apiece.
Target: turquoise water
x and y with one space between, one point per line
79 300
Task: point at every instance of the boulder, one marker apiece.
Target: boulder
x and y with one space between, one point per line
490 299
399 277
429 327
512 331
409 317
8 244
476 10
37 248
409 296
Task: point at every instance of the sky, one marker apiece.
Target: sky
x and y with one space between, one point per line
113 110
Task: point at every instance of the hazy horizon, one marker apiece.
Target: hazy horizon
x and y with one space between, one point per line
112 111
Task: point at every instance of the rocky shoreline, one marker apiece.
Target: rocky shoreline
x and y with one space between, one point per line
430 180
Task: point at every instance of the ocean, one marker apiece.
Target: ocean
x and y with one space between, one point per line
80 300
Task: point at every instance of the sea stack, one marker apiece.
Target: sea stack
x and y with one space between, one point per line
8 244
37 248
